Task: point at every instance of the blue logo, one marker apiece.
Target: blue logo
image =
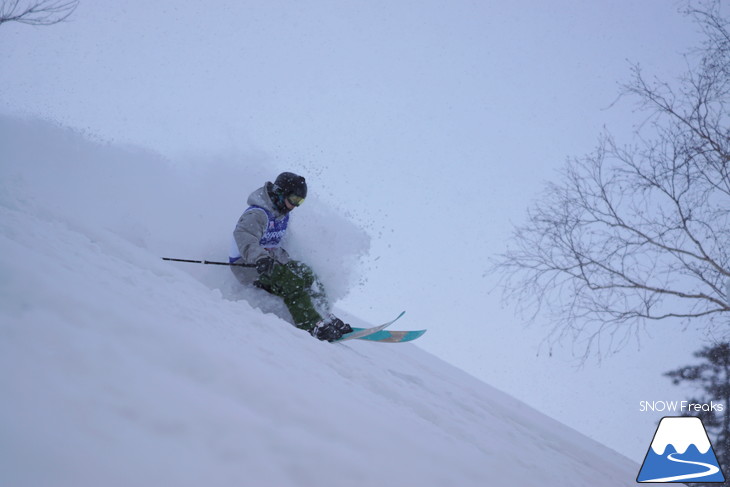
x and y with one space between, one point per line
680 452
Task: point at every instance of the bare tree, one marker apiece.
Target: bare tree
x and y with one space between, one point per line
640 232
36 12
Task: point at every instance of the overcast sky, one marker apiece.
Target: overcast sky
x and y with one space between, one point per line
435 124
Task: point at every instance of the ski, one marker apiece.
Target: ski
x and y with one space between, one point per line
364 332
392 336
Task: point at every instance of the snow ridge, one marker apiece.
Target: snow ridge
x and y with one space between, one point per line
122 369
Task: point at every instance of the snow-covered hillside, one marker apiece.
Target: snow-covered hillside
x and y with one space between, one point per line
119 369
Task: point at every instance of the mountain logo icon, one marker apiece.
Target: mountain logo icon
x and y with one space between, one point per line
680 452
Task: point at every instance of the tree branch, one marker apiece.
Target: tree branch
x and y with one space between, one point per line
36 12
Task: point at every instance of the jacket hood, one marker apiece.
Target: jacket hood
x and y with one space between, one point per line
261 198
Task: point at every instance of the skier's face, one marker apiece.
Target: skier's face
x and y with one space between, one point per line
292 201
288 204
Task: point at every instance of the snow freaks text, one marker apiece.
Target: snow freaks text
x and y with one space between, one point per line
679 407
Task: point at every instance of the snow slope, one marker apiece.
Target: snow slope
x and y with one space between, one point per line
120 369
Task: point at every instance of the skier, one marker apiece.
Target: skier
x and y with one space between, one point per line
257 241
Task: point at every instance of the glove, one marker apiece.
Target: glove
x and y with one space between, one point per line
265 266
330 330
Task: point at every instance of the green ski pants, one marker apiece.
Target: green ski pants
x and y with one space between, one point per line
301 290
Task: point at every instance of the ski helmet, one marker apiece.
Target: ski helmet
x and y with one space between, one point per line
289 186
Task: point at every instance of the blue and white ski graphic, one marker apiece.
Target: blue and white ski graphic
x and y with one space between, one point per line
392 336
365 332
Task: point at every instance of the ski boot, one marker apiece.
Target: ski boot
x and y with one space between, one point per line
330 329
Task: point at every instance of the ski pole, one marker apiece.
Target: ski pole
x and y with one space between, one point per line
207 262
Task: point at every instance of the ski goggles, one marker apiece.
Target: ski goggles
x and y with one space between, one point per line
295 200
